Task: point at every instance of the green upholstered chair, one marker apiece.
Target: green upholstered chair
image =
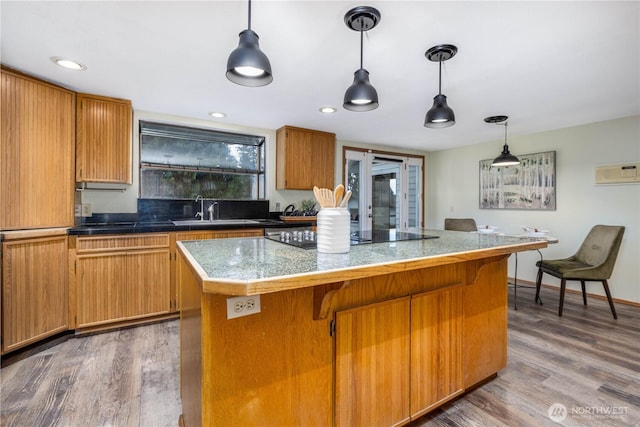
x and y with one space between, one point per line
593 262
460 224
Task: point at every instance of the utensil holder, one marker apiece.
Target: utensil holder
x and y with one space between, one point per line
332 230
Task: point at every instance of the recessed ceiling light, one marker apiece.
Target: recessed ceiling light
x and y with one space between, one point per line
218 115
328 110
69 64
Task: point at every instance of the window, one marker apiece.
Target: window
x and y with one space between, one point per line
179 162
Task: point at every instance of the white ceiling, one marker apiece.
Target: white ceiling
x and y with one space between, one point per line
546 65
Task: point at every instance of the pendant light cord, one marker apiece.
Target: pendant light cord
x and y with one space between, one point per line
361 41
505 133
440 76
249 15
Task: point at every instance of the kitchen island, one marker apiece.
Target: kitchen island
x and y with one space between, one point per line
378 336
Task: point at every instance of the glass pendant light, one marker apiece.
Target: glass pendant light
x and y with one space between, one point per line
505 158
248 65
361 95
440 115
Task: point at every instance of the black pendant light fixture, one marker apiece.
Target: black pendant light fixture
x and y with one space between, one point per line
440 115
361 95
506 158
248 65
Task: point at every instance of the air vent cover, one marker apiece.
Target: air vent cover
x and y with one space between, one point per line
616 174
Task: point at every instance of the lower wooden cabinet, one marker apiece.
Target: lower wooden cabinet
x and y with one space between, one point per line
398 359
436 348
372 364
120 278
34 289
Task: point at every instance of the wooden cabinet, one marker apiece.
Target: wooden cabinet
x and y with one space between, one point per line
372 364
34 289
36 153
436 348
304 158
103 146
396 360
121 278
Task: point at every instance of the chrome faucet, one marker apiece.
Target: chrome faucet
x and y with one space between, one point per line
212 210
201 213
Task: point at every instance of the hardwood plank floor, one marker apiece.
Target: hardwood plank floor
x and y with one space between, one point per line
585 360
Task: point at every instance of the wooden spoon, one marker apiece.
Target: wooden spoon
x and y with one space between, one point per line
337 195
327 197
316 193
345 200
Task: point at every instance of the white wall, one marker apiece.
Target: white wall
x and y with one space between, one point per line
453 192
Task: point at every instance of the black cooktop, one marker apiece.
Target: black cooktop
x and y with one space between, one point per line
307 240
381 236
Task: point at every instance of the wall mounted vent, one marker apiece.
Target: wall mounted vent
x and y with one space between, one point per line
616 174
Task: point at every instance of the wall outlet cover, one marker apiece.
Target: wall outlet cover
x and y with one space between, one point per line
243 306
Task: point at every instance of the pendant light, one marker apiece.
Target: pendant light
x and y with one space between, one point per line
505 158
361 95
440 115
248 65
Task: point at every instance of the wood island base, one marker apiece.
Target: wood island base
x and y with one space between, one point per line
381 350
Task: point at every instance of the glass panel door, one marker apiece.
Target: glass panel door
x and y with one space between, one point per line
386 190
386 194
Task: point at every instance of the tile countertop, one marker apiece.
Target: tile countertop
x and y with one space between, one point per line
252 266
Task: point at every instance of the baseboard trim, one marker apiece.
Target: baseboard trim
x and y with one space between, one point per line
578 292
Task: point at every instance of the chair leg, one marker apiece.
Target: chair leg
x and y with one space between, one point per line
584 292
606 289
563 286
538 283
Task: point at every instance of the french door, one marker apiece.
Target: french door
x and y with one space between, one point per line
386 190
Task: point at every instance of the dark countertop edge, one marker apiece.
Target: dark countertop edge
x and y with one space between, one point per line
88 230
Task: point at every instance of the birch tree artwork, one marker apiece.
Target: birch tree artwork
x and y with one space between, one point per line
529 185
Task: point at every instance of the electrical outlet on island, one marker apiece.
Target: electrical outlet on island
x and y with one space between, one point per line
242 306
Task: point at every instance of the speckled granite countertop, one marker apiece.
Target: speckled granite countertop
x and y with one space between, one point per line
250 266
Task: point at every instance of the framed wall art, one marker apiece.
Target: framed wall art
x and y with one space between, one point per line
529 185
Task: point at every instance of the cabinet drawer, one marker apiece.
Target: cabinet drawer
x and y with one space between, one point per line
132 241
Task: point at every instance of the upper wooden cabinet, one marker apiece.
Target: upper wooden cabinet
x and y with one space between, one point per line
103 144
304 158
36 153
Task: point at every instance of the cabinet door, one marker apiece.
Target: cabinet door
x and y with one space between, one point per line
436 348
100 284
37 154
485 323
103 146
304 158
34 290
372 364
147 289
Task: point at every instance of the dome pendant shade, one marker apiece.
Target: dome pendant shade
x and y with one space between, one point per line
361 95
440 115
248 65
506 158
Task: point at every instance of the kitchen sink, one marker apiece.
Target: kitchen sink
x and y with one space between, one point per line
216 222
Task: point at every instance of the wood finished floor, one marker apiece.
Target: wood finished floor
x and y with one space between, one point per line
585 360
